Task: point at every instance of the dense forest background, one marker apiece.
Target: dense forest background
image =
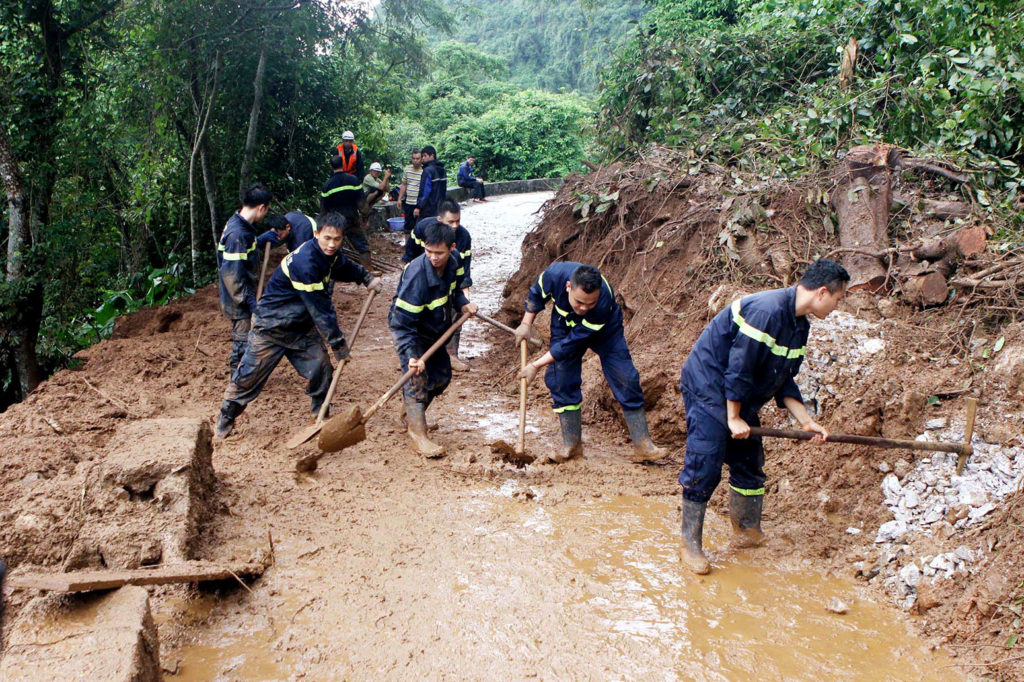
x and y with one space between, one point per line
128 127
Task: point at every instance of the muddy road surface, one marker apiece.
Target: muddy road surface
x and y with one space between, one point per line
390 566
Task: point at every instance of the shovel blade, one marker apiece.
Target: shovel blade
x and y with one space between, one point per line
303 435
342 431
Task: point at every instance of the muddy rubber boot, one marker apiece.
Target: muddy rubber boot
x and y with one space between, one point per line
458 364
745 513
691 554
431 426
415 415
226 419
644 450
571 422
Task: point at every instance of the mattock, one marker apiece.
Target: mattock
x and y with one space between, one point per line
963 450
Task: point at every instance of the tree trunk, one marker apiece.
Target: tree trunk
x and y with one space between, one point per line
861 201
19 241
254 118
210 184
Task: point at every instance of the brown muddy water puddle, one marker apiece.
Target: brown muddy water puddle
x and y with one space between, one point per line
631 605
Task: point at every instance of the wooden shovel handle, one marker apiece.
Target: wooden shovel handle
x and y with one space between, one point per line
263 271
892 443
411 373
341 363
522 399
536 343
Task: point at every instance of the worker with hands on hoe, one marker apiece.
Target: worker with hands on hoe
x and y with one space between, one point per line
449 214
585 316
428 294
747 355
293 318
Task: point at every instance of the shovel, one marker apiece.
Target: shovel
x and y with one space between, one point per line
517 455
347 428
303 435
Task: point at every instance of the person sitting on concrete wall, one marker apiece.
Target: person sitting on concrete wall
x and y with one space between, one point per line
467 180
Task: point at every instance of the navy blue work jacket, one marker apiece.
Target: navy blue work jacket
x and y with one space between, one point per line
303 229
415 246
297 296
239 256
422 308
433 188
748 353
342 192
572 334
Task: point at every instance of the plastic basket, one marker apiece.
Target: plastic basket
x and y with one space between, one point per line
396 224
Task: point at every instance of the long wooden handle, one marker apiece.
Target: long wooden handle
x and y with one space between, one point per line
411 373
522 400
263 272
536 343
893 443
341 363
972 411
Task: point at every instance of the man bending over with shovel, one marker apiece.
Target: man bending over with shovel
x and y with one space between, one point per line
747 355
293 314
429 291
585 316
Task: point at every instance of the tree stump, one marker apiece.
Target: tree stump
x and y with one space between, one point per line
861 201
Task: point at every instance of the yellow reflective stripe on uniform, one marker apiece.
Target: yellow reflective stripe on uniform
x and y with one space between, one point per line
405 305
340 189
568 408
540 283
753 332
466 254
568 322
232 255
301 286
417 240
590 325
748 492
436 303
460 271
451 287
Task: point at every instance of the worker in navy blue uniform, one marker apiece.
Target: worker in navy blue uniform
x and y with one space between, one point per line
585 316
239 255
433 184
747 355
419 316
293 319
342 193
302 229
451 215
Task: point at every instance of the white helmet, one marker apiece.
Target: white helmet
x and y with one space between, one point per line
348 135
375 166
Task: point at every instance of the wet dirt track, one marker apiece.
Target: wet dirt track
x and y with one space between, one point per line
392 566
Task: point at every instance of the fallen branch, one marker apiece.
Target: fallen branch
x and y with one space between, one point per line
106 397
164 574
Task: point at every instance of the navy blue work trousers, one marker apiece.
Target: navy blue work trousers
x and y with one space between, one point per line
239 337
709 445
564 378
306 353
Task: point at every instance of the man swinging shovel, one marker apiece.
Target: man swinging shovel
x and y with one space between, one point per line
291 317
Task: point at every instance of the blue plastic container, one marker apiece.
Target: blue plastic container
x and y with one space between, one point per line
396 224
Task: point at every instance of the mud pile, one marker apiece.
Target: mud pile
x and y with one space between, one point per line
679 240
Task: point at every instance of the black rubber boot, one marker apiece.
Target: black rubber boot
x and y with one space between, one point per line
229 410
571 422
644 450
692 552
745 513
416 418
